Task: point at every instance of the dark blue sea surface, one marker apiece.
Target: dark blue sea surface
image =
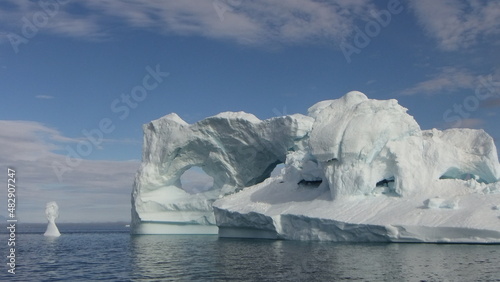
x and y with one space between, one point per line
92 252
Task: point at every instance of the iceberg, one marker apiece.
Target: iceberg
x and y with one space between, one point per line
236 149
355 169
52 212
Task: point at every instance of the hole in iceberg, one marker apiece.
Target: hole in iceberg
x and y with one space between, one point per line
271 170
277 170
385 182
310 183
386 187
195 180
266 174
455 173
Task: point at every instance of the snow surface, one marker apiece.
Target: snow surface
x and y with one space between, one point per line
355 169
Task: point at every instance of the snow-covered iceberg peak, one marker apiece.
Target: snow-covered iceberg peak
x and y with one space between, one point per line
361 142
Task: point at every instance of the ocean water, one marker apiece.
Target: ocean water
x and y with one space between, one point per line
93 252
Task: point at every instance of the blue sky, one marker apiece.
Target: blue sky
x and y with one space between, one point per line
67 68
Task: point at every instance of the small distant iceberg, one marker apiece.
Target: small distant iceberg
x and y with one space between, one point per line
52 212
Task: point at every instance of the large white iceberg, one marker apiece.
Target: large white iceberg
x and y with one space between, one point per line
236 149
355 170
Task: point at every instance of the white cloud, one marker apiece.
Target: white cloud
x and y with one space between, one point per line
458 24
446 80
90 191
44 97
25 140
455 24
248 22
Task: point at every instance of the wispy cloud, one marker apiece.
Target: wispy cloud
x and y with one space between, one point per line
455 24
459 24
247 22
474 123
27 140
44 97
91 191
446 80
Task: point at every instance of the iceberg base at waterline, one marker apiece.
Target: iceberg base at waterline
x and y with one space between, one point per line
158 227
52 230
275 210
355 169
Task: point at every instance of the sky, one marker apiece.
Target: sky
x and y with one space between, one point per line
78 79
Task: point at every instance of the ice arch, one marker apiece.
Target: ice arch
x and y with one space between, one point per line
195 180
236 149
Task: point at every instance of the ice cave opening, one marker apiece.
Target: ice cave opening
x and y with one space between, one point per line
386 187
385 182
310 183
195 180
277 169
272 169
455 173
